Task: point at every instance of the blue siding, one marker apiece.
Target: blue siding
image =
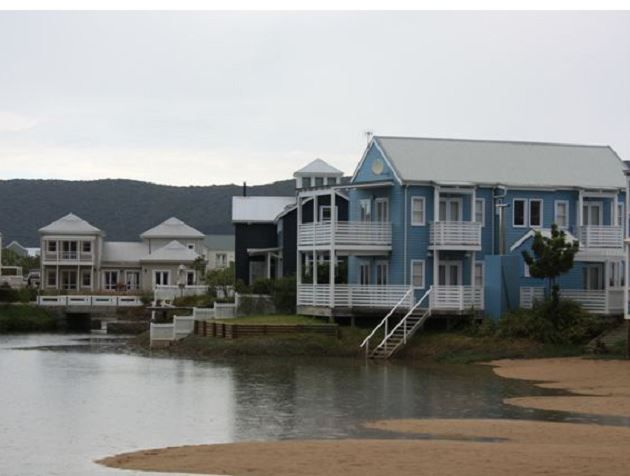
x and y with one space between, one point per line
365 174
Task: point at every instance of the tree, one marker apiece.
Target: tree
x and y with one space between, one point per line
552 257
220 280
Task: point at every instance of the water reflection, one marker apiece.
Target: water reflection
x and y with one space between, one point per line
61 410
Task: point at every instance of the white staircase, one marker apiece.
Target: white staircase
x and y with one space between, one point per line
397 337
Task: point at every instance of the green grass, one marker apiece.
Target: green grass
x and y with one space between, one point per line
25 318
275 319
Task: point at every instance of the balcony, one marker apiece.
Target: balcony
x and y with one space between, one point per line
594 236
353 295
455 235
68 257
347 234
456 298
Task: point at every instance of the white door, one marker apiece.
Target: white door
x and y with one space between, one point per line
592 213
133 279
364 273
382 272
450 273
450 209
382 210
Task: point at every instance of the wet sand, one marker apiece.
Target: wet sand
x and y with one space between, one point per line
601 387
445 447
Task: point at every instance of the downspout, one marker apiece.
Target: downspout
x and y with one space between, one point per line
499 206
405 239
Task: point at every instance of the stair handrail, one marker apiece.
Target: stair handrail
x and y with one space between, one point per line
384 321
402 321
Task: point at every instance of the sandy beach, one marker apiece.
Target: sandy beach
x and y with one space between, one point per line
601 387
455 447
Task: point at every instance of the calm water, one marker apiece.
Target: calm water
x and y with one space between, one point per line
60 410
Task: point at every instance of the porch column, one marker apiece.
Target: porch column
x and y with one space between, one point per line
436 264
580 216
436 204
472 276
626 284
606 284
613 210
473 205
298 262
268 262
314 267
331 265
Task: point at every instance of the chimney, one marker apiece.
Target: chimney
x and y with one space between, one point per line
244 189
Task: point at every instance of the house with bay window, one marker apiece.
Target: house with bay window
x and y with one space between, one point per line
446 221
76 257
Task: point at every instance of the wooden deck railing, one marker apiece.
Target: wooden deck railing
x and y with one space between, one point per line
455 233
597 301
346 233
592 236
457 298
353 295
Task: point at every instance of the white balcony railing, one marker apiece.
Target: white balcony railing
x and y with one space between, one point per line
72 256
597 301
353 295
346 233
592 236
172 292
456 233
457 298
89 300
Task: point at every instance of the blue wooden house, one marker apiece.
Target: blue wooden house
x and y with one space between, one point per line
445 222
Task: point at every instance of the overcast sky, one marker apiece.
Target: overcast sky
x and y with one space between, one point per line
213 98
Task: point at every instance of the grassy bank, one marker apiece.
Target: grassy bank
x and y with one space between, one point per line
454 346
25 318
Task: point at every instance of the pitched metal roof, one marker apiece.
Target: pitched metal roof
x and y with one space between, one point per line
318 167
502 162
174 251
124 251
172 228
258 209
219 242
70 224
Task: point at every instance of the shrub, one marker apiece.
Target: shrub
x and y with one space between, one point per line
573 325
24 318
284 295
262 286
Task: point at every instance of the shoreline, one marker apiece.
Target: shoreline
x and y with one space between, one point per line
526 446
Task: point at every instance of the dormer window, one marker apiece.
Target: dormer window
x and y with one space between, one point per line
306 182
319 181
86 247
52 246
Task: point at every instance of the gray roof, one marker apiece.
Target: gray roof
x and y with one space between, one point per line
70 225
174 252
319 167
124 251
258 209
502 163
219 242
172 228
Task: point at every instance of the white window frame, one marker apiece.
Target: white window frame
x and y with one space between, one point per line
83 243
620 215
364 265
526 272
137 284
49 273
590 204
220 260
368 217
447 201
109 287
86 272
49 243
188 273
482 266
168 274
542 214
567 213
414 263
327 207
382 265
385 201
480 206
423 208
525 212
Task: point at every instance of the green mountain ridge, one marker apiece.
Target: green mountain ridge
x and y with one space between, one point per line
121 208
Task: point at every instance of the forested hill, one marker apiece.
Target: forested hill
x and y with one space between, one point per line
121 208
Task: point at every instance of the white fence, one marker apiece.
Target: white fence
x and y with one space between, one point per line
346 233
528 295
597 301
456 298
89 300
456 233
592 236
353 295
172 292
